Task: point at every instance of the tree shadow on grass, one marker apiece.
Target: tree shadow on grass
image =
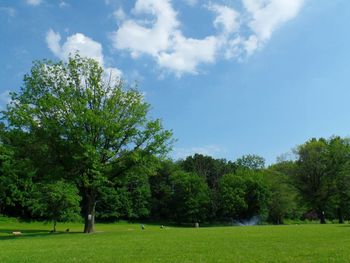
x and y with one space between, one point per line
344 225
6 234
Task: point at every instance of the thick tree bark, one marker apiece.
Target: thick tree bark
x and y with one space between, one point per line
90 204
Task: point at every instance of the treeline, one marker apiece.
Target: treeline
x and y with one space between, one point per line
314 185
76 143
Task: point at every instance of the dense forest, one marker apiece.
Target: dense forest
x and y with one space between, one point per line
75 144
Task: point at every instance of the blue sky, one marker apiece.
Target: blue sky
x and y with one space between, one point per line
229 77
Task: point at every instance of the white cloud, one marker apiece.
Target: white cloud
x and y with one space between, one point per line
34 2
112 75
238 33
188 53
209 150
163 40
251 44
86 47
138 38
268 15
119 14
226 17
53 41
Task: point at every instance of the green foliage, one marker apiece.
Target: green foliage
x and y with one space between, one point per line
322 176
128 194
83 123
243 194
189 197
207 167
135 192
71 124
58 201
211 170
251 161
283 202
161 191
16 183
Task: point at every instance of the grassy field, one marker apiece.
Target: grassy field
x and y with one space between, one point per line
128 243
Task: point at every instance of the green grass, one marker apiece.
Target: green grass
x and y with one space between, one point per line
128 243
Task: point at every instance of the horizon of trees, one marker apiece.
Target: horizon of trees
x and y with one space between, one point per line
314 186
75 144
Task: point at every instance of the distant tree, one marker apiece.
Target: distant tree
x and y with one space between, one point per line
16 179
110 203
338 181
81 123
312 179
162 190
190 197
341 199
251 161
283 201
59 201
135 190
243 194
232 190
209 168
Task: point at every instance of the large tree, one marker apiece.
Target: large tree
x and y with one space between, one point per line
337 161
312 178
82 121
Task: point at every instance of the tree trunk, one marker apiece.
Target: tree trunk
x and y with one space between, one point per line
54 226
90 205
340 216
322 218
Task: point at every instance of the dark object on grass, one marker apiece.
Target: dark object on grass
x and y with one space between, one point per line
161 226
67 230
143 227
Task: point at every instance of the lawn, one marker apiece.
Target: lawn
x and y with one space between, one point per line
124 242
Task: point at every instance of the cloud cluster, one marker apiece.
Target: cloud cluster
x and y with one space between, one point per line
34 2
161 37
86 47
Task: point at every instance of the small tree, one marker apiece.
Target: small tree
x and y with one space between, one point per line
59 201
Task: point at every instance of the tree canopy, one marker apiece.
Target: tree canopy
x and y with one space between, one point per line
84 122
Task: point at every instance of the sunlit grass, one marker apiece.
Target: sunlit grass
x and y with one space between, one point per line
124 242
